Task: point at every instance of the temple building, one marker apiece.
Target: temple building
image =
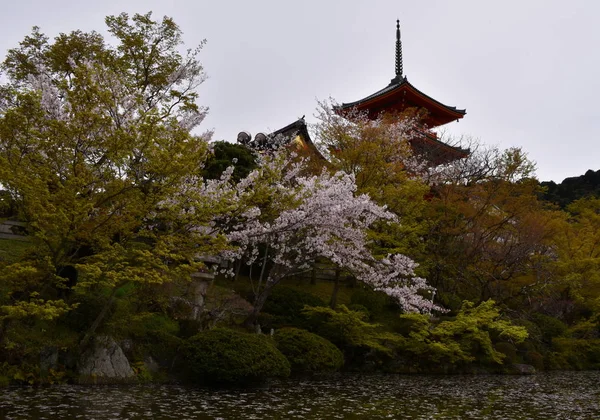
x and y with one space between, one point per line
399 96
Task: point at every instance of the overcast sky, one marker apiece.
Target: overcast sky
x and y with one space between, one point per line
527 72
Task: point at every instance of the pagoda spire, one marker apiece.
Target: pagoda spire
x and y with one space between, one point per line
399 65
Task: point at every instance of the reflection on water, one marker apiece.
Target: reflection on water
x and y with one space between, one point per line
557 395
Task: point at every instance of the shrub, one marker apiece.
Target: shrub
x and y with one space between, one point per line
556 361
375 302
508 350
349 331
585 329
467 338
227 356
357 307
535 359
580 354
550 327
285 307
308 352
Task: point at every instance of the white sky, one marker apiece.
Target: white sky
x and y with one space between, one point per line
527 72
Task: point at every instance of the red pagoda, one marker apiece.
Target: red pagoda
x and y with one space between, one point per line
400 96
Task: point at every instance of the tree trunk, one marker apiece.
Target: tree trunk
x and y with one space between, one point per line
313 277
336 287
99 319
275 275
259 302
237 270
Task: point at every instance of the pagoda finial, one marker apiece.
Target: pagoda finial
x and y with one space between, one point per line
399 67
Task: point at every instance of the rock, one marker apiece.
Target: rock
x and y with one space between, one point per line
128 347
522 369
151 365
48 359
104 363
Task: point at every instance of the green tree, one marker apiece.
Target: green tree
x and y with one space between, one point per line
489 236
469 336
95 137
578 248
227 154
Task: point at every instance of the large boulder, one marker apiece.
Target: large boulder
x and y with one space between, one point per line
104 363
522 369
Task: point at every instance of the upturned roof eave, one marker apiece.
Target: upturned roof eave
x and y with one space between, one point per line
395 87
457 149
295 128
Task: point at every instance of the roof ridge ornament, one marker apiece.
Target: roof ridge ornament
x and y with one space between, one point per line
399 65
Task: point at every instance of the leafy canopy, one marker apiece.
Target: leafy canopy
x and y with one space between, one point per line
95 136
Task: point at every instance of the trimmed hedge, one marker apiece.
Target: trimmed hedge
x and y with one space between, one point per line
308 352
227 356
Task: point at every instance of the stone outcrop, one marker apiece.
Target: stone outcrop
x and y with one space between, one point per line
48 359
522 369
104 362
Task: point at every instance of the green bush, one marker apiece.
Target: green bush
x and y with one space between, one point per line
467 338
508 350
348 330
308 352
535 359
284 307
556 361
223 156
357 307
585 329
375 302
579 354
550 327
227 356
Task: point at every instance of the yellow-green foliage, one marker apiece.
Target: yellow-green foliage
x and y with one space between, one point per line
12 250
40 308
576 353
464 339
578 263
349 330
308 352
93 151
24 338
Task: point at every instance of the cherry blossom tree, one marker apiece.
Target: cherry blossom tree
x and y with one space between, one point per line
285 221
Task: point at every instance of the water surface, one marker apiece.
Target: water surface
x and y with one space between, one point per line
556 395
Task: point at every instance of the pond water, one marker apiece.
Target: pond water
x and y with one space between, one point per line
556 395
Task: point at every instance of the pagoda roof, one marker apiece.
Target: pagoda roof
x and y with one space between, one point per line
401 95
429 147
